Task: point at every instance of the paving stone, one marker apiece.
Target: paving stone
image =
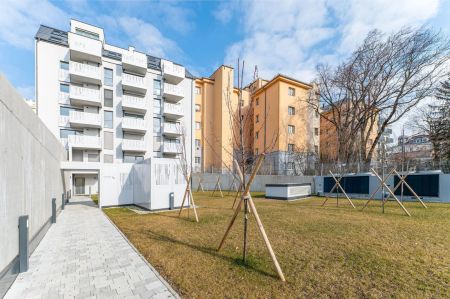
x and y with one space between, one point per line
84 256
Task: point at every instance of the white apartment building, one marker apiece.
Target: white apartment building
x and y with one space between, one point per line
109 105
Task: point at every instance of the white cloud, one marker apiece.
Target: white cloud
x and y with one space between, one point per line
148 38
20 20
291 37
225 11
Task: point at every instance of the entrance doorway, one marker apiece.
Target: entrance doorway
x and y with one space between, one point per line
79 185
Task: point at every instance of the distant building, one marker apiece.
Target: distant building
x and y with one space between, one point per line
415 147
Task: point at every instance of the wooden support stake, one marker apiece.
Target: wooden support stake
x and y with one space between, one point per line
402 180
200 185
188 194
217 186
339 185
378 188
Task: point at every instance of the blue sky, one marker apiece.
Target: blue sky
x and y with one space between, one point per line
284 36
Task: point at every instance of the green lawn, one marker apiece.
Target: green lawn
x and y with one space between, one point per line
324 251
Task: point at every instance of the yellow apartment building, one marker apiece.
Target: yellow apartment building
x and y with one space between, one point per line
280 122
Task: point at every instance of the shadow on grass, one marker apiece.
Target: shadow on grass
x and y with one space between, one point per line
204 249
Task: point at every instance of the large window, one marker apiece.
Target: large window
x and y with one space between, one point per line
108 140
132 158
87 33
291 129
64 133
64 88
156 143
291 91
65 111
156 106
156 125
108 98
257 101
316 131
64 65
291 110
157 87
108 120
197 160
108 77
257 118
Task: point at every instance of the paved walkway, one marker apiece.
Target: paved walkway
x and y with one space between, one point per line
83 255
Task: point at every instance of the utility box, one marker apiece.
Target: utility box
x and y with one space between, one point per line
171 200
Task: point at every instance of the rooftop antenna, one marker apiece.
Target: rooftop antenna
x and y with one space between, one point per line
255 74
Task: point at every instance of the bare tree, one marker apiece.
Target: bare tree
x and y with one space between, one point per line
378 84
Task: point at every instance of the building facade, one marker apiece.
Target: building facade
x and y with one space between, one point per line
277 121
109 105
416 147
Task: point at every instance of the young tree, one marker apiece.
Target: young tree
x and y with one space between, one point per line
378 84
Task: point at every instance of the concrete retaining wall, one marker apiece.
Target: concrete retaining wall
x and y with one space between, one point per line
30 176
259 184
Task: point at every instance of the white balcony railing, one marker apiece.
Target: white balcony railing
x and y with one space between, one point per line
84 94
133 83
85 119
134 103
171 148
83 70
173 92
173 110
63 121
83 47
133 145
172 72
81 141
135 61
134 124
172 128
64 75
64 98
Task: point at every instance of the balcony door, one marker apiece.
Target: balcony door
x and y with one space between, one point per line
79 185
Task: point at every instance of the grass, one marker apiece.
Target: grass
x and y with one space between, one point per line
94 198
324 251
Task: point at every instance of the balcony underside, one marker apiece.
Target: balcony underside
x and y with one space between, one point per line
74 101
80 78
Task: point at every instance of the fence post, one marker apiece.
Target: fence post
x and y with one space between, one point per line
53 210
63 202
23 243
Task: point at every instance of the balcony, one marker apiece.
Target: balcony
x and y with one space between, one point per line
135 62
173 73
84 48
133 145
172 129
134 125
84 142
134 104
80 96
173 93
64 98
173 111
80 119
171 148
133 83
85 73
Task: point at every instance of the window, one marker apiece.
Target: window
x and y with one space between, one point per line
290 165
108 119
316 131
108 141
156 125
256 151
198 90
108 77
107 158
64 65
257 118
87 33
77 156
291 129
93 158
157 87
156 143
156 106
64 133
64 88
197 142
317 114
291 110
290 147
257 101
257 135
197 107
197 160
132 158
241 102
198 125
291 91
108 98
65 111
316 149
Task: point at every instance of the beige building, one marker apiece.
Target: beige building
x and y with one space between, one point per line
278 121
